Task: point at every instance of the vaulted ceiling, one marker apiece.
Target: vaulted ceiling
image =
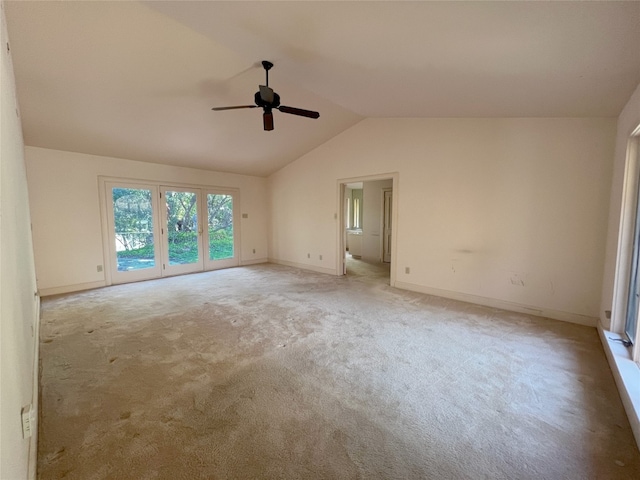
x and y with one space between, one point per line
137 80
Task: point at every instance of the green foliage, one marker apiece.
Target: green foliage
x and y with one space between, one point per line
133 218
219 211
183 247
182 214
221 244
146 253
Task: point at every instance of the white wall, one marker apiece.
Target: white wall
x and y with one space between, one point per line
65 209
372 219
628 121
507 212
19 308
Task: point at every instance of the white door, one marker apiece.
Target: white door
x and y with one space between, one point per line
181 230
132 220
386 241
221 236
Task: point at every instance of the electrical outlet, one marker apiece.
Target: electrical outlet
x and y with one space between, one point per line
308 255
320 257
245 215
99 268
254 250
27 420
407 270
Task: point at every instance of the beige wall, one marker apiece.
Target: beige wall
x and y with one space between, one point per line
505 212
19 305
628 121
65 209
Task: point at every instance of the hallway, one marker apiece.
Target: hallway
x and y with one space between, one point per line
366 268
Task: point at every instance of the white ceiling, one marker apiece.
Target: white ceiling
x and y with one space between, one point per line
137 80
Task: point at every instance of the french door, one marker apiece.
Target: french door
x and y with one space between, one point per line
161 230
133 231
221 237
181 231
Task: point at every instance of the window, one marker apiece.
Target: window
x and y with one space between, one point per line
356 213
134 235
220 221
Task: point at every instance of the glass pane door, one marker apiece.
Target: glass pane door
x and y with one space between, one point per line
133 232
221 238
156 231
182 231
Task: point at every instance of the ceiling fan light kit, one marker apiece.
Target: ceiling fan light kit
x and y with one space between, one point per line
268 100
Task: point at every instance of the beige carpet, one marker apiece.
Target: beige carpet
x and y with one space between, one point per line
268 372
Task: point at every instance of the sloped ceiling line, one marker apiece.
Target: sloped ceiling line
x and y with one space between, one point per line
137 80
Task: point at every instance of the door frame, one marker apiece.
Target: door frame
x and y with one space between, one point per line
629 211
386 191
341 233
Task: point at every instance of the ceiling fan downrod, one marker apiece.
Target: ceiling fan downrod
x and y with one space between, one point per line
267 66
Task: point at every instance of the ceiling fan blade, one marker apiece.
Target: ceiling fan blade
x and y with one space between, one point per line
266 94
267 119
217 109
298 111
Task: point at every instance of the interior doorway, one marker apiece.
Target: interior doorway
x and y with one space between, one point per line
367 230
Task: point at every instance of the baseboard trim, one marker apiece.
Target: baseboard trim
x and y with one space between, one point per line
303 266
244 263
495 303
46 292
626 373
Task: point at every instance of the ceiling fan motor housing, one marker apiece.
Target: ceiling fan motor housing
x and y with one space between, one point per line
264 104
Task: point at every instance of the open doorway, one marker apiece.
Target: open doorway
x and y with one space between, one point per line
366 237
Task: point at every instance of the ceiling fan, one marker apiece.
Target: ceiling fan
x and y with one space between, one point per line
268 100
